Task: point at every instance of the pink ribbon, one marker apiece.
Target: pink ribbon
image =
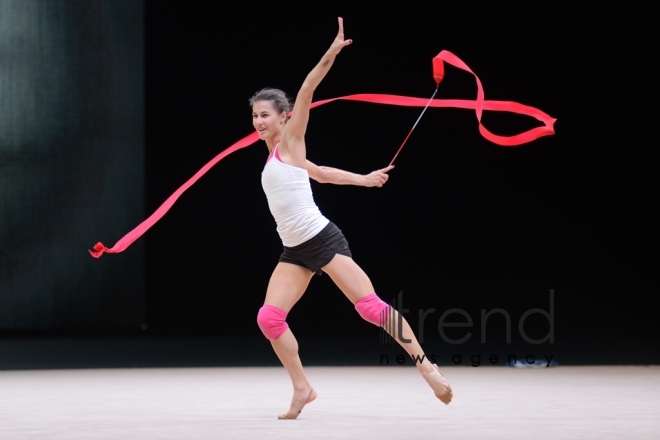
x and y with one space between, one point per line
479 105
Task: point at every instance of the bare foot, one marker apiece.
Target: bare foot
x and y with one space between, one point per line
299 400
439 385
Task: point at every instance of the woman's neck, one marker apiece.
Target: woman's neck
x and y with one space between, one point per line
271 144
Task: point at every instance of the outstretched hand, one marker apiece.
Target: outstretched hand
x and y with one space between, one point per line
339 42
378 178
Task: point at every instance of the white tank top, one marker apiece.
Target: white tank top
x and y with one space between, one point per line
290 199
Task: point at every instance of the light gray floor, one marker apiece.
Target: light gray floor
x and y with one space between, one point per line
353 403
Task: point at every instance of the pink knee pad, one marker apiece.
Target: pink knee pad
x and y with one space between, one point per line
271 321
373 309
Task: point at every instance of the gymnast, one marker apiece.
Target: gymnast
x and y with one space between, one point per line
312 243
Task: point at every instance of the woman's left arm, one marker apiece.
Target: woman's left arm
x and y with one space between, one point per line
323 174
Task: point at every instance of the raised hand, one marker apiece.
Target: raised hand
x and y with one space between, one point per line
339 42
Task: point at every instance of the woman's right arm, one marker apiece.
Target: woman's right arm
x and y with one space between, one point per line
336 176
293 136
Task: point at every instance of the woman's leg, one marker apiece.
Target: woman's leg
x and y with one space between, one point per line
356 285
286 286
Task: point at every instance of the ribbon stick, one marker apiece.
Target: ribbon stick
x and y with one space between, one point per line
479 105
438 74
413 127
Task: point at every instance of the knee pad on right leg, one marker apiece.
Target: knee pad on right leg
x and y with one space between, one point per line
373 309
272 321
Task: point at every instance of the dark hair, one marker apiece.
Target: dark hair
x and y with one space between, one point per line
277 97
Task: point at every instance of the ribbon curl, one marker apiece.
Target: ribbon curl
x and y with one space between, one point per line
479 105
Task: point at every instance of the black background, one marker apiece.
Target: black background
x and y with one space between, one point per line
462 222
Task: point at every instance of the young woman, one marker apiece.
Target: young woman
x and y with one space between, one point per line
312 243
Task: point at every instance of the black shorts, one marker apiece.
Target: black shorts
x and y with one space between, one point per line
318 250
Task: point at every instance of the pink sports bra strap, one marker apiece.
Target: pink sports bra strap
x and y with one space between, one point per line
274 153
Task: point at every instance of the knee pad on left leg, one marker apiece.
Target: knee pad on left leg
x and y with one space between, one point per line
272 321
373 309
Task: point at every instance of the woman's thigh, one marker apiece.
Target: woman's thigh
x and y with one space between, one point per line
287 285
349 277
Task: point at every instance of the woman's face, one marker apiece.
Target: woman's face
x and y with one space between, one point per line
266 120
